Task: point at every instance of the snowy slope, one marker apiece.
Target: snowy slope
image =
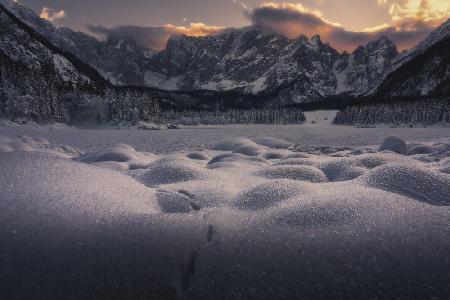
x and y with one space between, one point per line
441 33
424 73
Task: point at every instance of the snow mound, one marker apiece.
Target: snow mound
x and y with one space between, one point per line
444 166
172 170
148 126
445 170
370 161
421 149
120 153
296 162
243 146
198 156
341 170
315 213
268 194
67 191
216 226
173 202
276 154
26 143
113 165
301 173
413 181
206 193
298 155
394 144
273 143
235 160
20 145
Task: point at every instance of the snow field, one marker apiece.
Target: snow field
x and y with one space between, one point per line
243 218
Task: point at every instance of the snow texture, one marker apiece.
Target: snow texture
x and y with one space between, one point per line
255 216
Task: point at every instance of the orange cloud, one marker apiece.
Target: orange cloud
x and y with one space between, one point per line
406 14
412 21
51 14
156 37
194 29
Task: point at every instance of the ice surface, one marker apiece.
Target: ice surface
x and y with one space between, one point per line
247 217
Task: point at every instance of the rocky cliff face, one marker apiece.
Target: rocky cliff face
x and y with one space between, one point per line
362 71
258 61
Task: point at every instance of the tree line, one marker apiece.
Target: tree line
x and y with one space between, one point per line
424 111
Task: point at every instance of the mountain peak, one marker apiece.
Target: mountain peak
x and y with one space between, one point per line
383 45
316 40
303 38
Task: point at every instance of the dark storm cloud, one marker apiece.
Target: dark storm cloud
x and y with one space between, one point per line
260 16
294 19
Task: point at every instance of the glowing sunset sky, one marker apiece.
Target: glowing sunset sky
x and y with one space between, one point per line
343 23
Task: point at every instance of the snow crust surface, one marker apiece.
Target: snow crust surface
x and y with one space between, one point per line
250 217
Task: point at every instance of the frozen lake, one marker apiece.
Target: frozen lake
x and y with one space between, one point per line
195 138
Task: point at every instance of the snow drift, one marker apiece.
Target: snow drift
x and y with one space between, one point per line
226 222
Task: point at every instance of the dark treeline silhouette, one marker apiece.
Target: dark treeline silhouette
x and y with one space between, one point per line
424 111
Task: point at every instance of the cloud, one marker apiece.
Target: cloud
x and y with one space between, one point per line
407 14
411 21
409 25
52 15
290 19
156 37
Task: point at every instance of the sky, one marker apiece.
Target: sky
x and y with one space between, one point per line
345 24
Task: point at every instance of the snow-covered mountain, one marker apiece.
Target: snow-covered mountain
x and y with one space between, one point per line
251 60
22 45
441 33
40 81
363 70
119 60
34 73
256 61
423 71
